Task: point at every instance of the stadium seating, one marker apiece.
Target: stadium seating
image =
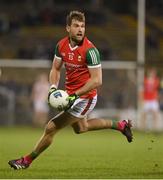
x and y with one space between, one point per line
35 28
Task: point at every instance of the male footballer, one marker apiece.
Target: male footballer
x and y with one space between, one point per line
83 75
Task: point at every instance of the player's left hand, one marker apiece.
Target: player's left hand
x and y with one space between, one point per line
71 99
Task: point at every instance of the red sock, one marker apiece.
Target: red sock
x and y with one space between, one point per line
28 159
121 125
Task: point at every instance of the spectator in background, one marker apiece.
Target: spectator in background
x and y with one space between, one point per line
161 94
150 98
39 100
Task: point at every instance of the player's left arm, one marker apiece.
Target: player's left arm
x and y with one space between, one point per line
94 81
94 66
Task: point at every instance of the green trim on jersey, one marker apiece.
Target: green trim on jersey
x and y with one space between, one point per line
93 57
57 51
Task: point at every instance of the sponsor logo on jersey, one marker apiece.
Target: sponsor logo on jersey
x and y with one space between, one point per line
73 65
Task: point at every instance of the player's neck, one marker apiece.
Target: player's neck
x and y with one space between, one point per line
74 43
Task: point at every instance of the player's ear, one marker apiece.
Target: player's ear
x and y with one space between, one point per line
68 28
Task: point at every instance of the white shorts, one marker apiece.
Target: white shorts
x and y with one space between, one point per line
151 105
82 107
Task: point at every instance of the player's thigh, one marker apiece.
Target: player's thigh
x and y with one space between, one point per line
63 119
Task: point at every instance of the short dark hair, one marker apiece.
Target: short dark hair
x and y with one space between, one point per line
77 15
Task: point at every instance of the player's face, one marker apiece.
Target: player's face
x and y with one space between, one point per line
76 30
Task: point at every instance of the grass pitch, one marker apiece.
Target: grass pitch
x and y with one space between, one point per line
102 154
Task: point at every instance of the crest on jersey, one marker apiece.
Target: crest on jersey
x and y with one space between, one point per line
79 58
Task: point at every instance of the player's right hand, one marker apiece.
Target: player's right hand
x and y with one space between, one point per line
51 90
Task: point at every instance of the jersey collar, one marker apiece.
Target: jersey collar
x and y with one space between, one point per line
73 48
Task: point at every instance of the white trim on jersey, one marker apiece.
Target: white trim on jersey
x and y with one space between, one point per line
72 48
95 66
59 58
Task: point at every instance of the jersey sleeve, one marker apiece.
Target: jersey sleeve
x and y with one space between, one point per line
93 58
57 53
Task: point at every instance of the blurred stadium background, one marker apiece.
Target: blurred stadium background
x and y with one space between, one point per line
29 31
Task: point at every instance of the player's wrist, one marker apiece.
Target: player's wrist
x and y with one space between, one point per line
53 86
51 90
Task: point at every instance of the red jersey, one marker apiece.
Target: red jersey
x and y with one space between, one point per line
77 61
151 88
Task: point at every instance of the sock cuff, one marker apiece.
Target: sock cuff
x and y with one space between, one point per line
114 125
34 154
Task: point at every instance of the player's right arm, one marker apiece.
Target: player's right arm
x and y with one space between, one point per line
54 75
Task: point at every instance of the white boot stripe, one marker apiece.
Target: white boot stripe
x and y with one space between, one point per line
16 166
20 167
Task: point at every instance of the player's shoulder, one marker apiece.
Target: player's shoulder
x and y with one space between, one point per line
62 42
91 48
88 44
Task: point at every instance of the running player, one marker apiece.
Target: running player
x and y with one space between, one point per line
83 75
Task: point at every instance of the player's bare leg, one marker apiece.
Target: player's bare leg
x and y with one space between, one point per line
79 125
54 125
123 126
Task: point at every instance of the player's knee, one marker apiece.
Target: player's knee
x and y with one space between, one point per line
76 130
80 128
50 128
79 131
